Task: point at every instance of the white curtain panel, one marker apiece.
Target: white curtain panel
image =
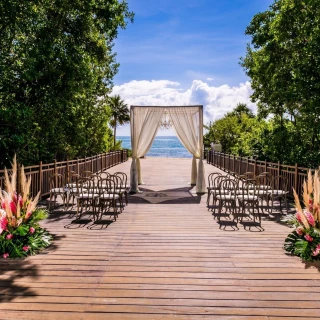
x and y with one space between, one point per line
144 127
188 125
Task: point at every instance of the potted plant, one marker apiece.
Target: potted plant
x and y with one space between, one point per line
20 232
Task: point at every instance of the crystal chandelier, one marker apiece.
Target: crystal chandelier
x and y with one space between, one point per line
166 122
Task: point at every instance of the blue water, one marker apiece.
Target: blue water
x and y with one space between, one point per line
164 147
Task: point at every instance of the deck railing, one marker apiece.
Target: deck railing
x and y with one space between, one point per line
239 165
40 173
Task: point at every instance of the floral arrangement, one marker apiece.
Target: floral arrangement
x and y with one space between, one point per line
304 241
20 233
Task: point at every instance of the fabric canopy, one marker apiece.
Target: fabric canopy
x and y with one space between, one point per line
187 121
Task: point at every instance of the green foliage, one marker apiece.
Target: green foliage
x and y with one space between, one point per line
283 63
27 239
56 71
239 132
297 245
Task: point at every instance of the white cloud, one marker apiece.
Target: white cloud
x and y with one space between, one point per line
217 101
209 79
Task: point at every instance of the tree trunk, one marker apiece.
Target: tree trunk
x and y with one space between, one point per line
114 133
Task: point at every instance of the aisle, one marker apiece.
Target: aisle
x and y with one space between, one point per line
164 258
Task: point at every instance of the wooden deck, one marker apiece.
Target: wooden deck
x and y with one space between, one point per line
164 258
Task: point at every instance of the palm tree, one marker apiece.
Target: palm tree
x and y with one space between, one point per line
119 114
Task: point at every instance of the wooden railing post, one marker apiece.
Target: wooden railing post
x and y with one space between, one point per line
233 166
92 165
40 177
265 166
55 171
240 165
78 166
224 160
247 169
255 167
296 173
279 168
67 169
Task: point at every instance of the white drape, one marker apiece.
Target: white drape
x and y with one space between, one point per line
187 122
144 127
188 125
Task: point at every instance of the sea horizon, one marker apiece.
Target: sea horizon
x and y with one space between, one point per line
162 147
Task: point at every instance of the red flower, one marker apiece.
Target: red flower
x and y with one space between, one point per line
32 230
25 248
13 207
5 255
308 237
310 218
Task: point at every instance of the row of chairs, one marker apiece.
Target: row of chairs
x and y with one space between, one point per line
245 195
102 192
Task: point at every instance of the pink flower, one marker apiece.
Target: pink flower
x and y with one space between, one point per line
310 218
21 201
9 236
5 255
13 207
32 230
298 217
308 237
3 205
300 231
3 224
25 248
316 251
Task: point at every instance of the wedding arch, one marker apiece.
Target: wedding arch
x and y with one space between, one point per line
187 122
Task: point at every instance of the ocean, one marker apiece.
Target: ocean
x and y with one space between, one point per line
162 147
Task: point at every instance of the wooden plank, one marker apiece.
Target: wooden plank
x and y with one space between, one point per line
162 259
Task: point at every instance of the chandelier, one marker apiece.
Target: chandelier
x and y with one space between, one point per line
166 122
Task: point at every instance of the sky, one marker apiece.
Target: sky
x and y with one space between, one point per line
185 52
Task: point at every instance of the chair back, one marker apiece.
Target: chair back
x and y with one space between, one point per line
264 181
124 179
212 178
228 186
85 186
56 181
104 175
86 174
248 175
107 186
280 183
68 175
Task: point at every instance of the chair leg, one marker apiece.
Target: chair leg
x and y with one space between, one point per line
78 205
126 195
208 198
64 201
50 200
219 210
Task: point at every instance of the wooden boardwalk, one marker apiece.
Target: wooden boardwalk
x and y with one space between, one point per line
164 258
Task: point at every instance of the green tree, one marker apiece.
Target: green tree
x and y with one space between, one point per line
56 64
119 114
239 132
283 63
